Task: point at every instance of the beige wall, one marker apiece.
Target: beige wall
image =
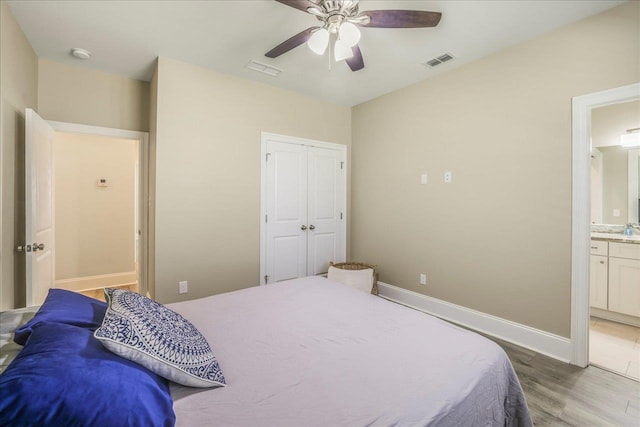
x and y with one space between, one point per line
208 172
498 238
82 95
94 225
18 90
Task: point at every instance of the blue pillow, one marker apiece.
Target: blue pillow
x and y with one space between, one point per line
144 331
62 306
65 377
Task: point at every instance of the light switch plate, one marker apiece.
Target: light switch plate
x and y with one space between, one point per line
423 179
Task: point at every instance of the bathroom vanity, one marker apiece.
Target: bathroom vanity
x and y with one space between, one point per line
615 277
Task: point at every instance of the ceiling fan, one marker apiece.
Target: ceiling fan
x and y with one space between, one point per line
340 21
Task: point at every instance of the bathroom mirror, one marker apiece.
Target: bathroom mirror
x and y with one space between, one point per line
614 169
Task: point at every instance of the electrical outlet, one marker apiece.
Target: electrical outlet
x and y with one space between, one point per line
447 177
423 279
183 287
616 212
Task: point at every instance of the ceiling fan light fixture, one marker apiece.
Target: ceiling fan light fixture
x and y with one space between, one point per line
342 50
349 33
319 41
339 30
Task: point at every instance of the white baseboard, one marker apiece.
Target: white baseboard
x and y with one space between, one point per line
615 317
525 336
96 282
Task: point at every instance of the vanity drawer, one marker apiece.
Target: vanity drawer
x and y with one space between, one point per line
623 250
600 247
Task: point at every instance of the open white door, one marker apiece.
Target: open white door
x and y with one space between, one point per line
39 208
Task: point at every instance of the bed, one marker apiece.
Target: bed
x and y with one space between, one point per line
312 352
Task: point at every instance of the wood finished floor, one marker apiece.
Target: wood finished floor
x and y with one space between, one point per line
559 394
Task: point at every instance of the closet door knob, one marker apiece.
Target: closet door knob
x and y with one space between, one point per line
303 228
312 227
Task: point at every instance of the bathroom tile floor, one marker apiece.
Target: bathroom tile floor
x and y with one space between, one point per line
615 346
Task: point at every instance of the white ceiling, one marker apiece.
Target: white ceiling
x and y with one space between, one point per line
125 37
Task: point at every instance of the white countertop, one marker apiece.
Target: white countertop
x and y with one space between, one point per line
616 237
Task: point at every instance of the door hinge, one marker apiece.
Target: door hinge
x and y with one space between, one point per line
341 165
266 278
267 157
340 215
266 218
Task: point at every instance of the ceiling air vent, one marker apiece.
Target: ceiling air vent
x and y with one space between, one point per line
438 60
263 68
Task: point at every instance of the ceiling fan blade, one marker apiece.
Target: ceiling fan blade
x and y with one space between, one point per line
291 43
401 18
356 62
302 5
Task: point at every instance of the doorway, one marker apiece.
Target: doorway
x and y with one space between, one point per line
614 285
100 211
582 107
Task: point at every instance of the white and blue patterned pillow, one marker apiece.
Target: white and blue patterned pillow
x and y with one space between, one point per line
146 332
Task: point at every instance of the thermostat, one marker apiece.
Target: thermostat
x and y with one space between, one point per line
102 182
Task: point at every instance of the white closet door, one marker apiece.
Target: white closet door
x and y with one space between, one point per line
326 239
286 210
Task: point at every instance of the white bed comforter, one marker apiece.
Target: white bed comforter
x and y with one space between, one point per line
312 352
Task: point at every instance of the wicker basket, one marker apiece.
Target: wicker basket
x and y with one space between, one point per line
359 266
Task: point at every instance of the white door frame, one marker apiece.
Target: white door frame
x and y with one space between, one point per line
581 211
143 180
265 137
